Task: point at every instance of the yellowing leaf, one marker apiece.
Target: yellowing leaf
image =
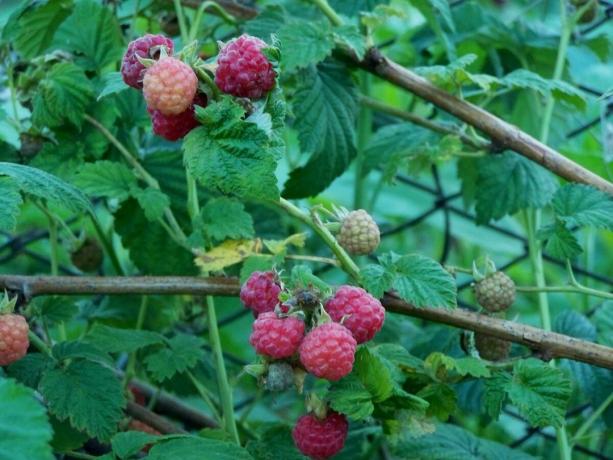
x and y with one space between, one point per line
279 246
228 253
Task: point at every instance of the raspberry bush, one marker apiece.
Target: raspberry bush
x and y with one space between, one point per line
305 229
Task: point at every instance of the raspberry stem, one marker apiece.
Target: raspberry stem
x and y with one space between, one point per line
326 9
319 227
225 392
173 227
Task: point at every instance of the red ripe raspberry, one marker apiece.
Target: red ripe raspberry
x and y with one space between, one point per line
146 47
261 292
320 439
169 86
276 337
174 127
363 314
328 351
243 70
14 340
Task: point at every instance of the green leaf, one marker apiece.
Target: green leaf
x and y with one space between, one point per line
25 432
325 106
130 443
396 140
115 340
93 33
583 205
561 242
376 279
88 394
522 78
226 218
153 202
111 83
350 397
77 349
54 309
35 26
442 399
508 183
149 244
43 185
304 42
474 367
268 22
354 7
351 37
374 374
65 437
10 202
495 393
274 443
416 278
450 442
540 392
62 95
30 369
423 282
183 352
192 448
108 179
229 154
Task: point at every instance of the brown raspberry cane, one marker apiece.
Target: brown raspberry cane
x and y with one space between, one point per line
243 70
260 292
14 341
276 337
146 47
328 351
169 86
320 438
360 312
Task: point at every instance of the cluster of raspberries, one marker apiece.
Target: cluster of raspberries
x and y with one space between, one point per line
170 86
325 350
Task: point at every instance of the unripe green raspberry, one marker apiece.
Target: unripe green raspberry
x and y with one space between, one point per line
495 292
280 377
359 233
492 348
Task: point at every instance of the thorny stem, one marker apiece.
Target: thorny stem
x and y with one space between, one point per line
326 9
38 343
107 243
424 122
364 131
203 75
534 216
54 255
140 320
574 288
193 31
181 18
205 395
225 392
591 420
315 223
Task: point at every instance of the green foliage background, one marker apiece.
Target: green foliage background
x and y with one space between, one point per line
414 393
